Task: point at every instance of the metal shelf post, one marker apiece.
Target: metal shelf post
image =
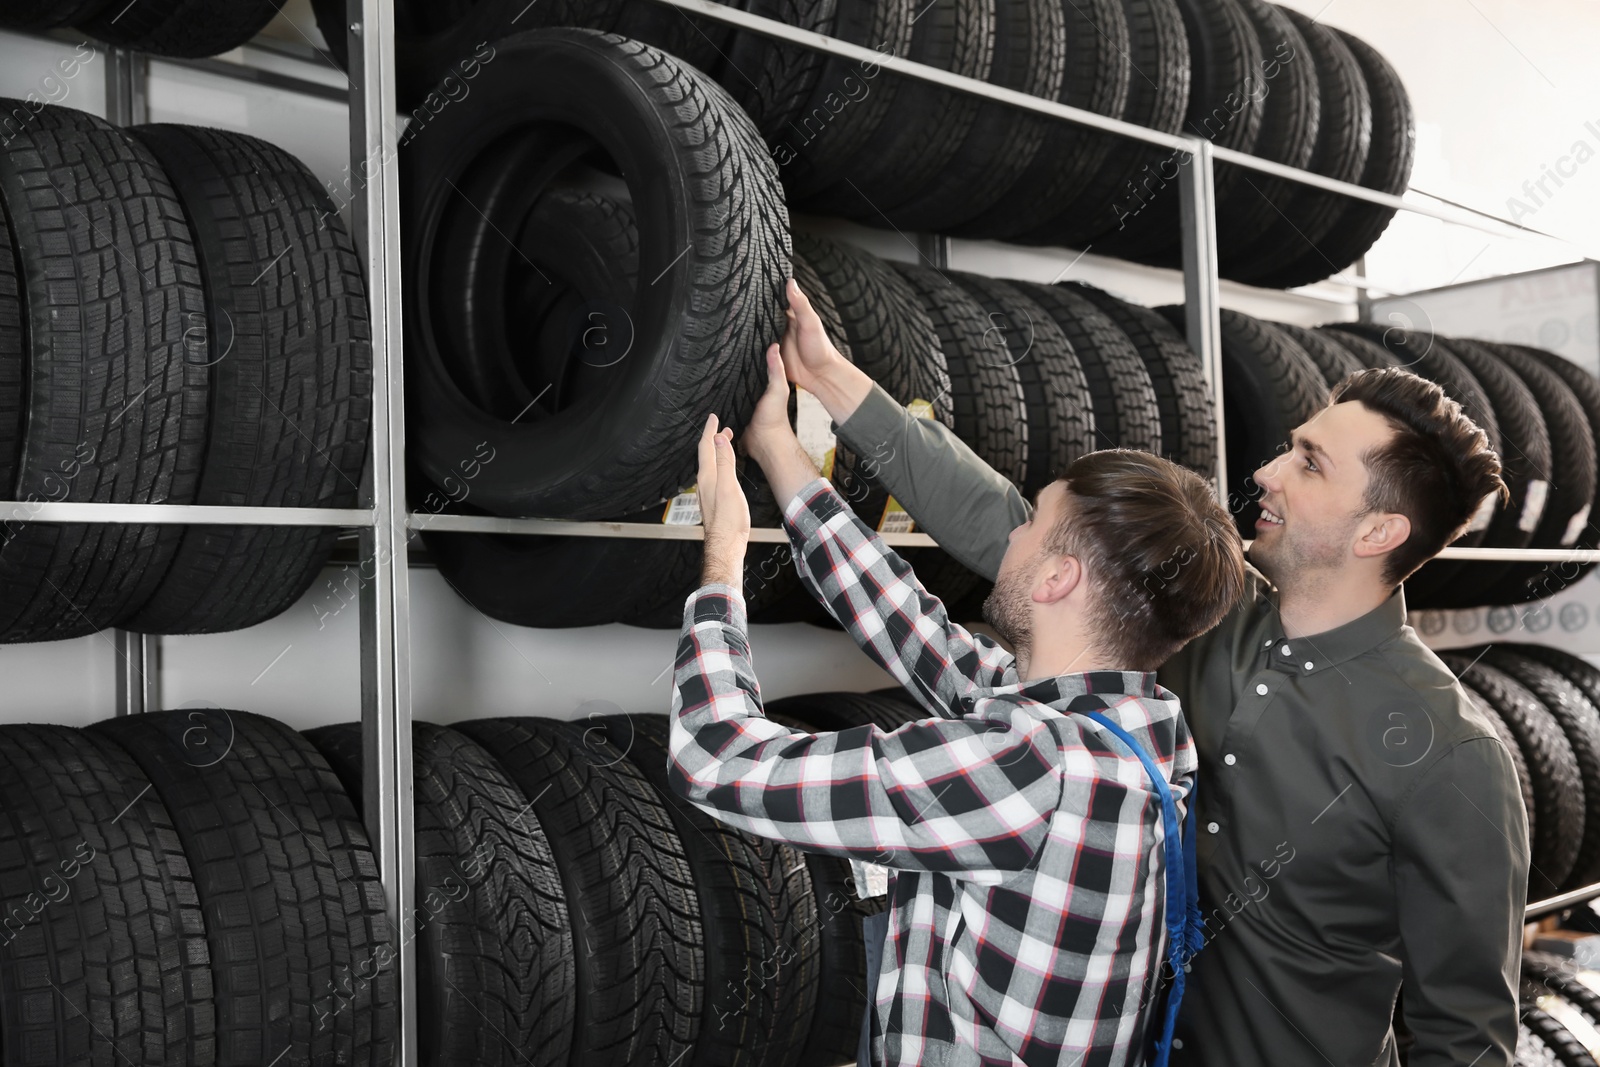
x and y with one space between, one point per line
385 586
1202 285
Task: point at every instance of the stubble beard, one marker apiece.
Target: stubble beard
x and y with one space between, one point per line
1007 609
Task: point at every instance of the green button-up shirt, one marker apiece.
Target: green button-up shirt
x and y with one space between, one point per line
1361 830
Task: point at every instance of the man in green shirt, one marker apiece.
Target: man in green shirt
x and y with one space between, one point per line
1361 828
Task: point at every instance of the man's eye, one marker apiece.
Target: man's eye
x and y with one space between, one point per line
1311 465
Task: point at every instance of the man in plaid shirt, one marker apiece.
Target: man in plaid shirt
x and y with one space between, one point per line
1026 925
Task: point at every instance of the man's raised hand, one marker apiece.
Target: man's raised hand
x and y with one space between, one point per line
724 511
814 364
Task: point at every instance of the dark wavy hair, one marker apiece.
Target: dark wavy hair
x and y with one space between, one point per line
1435 471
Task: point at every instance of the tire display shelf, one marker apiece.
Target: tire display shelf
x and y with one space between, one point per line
384 523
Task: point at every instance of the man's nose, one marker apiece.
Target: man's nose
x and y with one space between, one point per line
1267 474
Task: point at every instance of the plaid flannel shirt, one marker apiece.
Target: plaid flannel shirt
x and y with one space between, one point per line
1025 925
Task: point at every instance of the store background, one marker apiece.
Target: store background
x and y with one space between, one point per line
1481 141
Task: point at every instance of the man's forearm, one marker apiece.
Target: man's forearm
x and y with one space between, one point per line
841 386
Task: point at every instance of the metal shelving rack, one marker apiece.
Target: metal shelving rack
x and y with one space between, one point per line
383 519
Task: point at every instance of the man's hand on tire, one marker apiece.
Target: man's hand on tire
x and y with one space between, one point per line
770 439
724 511
814 364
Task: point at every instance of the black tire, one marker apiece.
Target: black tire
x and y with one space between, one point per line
1524 466
1126 414
1514 750
1099 68
1559 974
1571 476
772 80
1269 386
1188 417
1586 388
713 241
1061 425
294 909
1580 722
1030 57
1291 114
700 42
841 993
1388 169
1552 767
1548 1031
191 28
834 124
1332 359
1344 140
116 403
1370 354
925 124
989 412
891 338
494 955
299 341
747 998
1581 674
46 14
630 892
116 968
1224 53
1158 97
13 366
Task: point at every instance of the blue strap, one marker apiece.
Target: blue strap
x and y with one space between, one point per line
1184 931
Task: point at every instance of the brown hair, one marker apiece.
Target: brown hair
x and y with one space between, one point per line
1162 553
1436 469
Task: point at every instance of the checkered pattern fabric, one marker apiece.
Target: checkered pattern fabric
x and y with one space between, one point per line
1026 913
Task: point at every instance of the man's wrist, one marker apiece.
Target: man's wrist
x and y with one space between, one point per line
724 563
841 386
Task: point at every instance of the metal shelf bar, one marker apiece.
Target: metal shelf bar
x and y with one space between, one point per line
1185 144
182 514
1562 902
385 604
645 531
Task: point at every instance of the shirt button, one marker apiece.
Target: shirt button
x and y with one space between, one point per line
1284 650
1177 1042
1261 689
1267 643
1309 665
1212 828
1230 759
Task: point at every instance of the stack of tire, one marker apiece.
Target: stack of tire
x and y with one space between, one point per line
1545 703
1560 1024
1030 376
890 150
196 887
192 28
182 321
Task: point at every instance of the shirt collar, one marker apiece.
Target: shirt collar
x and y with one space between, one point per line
1316 652
1062 689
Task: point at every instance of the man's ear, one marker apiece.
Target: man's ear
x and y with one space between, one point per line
1381 533
1057 580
